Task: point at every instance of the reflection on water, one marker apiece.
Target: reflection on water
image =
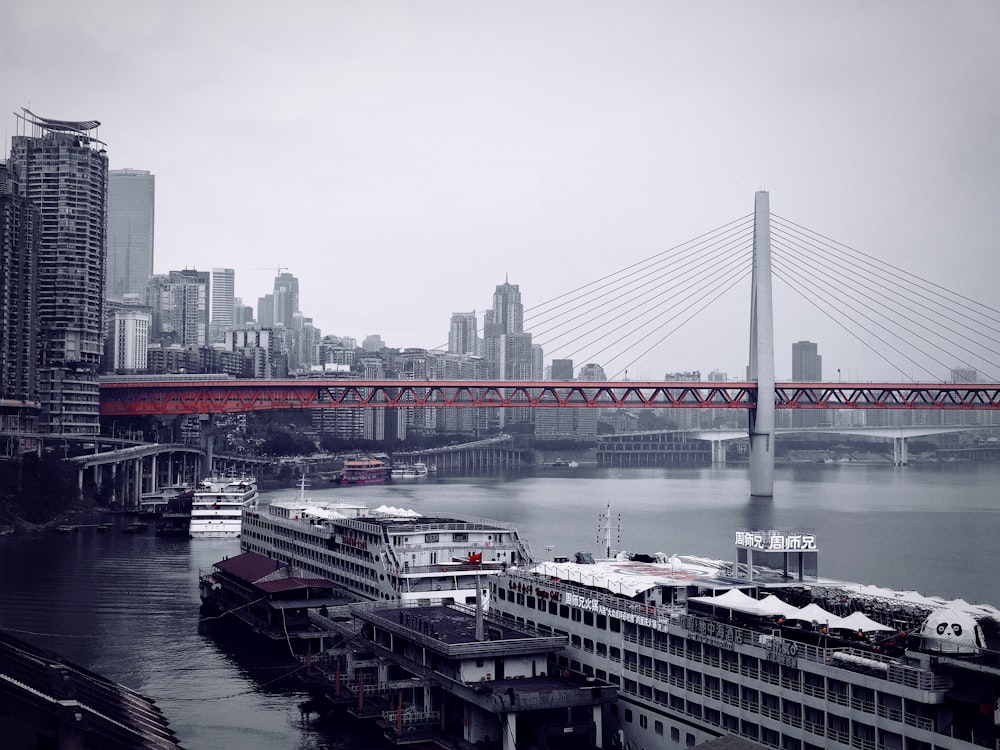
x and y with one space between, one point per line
126 605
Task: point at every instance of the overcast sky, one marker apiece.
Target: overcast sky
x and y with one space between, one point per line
404 158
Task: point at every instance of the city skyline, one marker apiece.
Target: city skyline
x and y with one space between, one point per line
609 135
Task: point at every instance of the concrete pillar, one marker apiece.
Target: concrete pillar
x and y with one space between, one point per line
718 452
137 482
508 723
598 714
762 353
900 451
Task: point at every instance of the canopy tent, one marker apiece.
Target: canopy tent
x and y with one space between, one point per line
732 599
772 605
861 622
812 612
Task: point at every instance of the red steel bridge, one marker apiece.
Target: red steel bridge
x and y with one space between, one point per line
180 397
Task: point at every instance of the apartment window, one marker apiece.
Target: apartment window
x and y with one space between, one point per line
658 727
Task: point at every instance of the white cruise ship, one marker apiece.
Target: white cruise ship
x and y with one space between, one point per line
218 504
385 554
763 649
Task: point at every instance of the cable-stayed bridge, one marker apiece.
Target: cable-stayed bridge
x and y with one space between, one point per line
910 324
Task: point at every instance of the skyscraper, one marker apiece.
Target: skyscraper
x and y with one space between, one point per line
807 364
463 333
185 308
286 299
62 168
223 302
131 197
19 227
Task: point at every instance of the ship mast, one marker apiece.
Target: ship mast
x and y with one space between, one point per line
604 530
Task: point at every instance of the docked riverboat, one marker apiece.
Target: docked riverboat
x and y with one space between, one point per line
763 649
385 554
217 506
364 471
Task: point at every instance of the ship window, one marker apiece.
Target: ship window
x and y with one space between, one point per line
577 615
602 622
460 537
643 722
628 715
531 602
689 740
432 537
564 611
588 618
616 625
675 734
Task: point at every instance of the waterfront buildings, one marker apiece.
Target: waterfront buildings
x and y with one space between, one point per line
62 168
131 202
19 227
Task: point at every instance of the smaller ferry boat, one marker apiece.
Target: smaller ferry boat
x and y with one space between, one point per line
218 504
409 471
364 471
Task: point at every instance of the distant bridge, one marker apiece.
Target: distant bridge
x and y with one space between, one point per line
176 398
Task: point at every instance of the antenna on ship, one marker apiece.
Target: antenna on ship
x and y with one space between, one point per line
604 530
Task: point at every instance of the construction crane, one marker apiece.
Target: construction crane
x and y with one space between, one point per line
279 269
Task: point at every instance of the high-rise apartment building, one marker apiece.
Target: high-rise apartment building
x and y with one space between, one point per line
62 168
131 199
807 367
807 364
286 299
562 370
19 226
463 334
223 302
130 340
183 308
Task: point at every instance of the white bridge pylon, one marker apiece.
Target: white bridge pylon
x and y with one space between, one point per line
761 422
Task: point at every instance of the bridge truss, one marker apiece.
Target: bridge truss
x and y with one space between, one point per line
164 398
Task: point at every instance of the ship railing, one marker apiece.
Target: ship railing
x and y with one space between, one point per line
885 712
791 683
771 678
868 706
983 739
838 735
791 720
661 614
841 699
920 722
411 718
813 728
463 523
815 691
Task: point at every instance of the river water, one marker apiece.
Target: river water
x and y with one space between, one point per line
126 605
